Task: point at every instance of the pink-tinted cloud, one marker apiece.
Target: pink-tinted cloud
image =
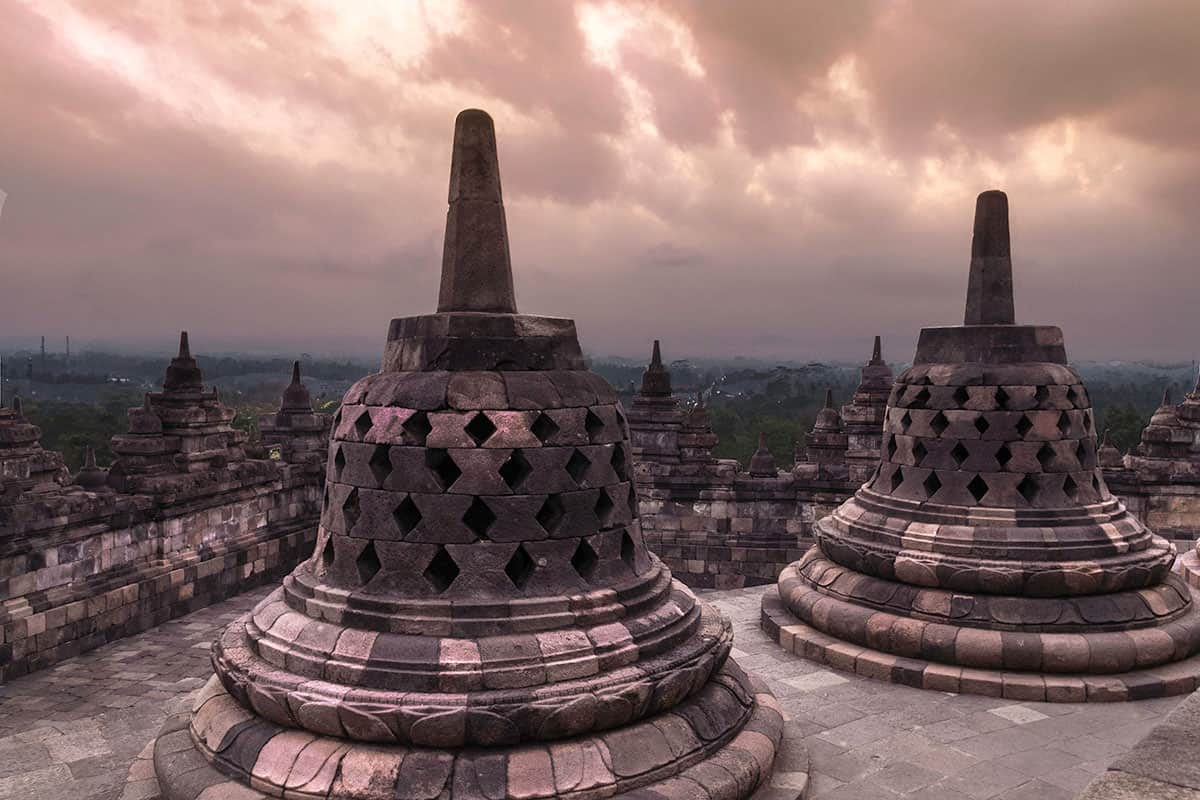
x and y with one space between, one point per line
753 177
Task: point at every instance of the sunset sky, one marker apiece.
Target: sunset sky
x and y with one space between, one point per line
772 179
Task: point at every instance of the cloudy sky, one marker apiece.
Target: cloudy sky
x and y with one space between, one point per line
763 178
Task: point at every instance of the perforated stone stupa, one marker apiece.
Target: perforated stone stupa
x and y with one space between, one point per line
987 554
480 617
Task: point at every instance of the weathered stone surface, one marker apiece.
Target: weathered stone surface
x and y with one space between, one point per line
479 580
182 518
987 533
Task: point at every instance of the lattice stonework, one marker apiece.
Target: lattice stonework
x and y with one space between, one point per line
986 553
481 617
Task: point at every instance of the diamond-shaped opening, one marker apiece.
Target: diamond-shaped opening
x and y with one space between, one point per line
519 568
1097 485
328 553
577 466
939 423
480 428
981 424
593 425
367 564
919 452
628 550
479 518
1024 425
544 428
905 422
1041 395
1029 489
618 462
1072 396
442 571
380 463
620 418
961 395
1087 422
604 509
959 453
1064 423
932 484
633 498
339 463
1001 397
585 559
1071 489
362 423
920 399
551 514
407 516
416 428
515 470
1081 454
978 488
897 478
442 465
1003 456
350 510
891 447
1045 455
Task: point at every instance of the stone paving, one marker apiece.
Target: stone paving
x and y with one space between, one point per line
73 730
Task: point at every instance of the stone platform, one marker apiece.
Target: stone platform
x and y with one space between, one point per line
76 729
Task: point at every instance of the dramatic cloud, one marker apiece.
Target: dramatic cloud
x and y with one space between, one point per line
782 180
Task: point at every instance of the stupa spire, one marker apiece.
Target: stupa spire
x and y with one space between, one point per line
476 269
185 351
183 374
656 380
877 351
990 288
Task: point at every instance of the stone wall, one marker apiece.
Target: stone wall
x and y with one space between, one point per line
719 525
182 519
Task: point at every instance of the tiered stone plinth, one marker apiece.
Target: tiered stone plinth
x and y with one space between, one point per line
480 617
987 554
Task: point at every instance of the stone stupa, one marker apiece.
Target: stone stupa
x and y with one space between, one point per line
986 554
480 617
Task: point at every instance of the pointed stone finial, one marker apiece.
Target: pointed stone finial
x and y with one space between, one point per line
1166 398
183 374
89 458
762 463
656 380
296 398
989 287
829 398
476 269
877 351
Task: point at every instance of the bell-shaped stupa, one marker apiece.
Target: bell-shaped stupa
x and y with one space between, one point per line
986 553
480 617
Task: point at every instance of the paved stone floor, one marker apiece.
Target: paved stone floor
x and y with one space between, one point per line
73 730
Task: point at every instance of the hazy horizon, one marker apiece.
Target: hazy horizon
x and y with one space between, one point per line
782 181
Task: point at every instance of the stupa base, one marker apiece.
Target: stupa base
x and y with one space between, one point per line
795 636
720 744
